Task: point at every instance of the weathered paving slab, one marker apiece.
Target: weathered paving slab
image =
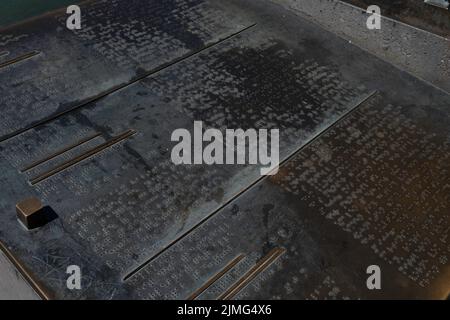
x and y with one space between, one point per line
141 227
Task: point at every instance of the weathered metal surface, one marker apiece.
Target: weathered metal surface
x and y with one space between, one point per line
141 227
372 190
119 43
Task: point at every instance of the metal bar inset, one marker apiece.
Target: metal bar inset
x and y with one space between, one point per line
19 59
83 156
60 152
219 275
37 286
262 265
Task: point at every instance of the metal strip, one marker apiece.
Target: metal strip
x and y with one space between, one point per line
36 285
19 59
60 152
219 275
82 157
262 265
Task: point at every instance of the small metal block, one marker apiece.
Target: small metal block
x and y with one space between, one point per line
31 213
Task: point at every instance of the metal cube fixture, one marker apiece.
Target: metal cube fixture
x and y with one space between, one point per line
31 213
